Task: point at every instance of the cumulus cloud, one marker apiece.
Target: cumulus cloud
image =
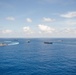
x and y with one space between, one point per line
27 30
45 28
69 15
29 20
48 19
10 18
7 31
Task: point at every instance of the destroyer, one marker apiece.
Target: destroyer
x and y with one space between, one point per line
48 42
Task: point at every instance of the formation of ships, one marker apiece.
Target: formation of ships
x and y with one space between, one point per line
4 44
28 41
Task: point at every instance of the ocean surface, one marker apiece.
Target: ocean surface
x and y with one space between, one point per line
20 57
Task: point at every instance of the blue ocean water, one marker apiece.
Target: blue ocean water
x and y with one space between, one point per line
21 57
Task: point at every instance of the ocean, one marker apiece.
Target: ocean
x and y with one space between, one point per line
20 57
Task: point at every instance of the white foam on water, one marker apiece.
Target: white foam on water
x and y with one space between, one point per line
13 43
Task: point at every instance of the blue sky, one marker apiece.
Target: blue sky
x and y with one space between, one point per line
37 18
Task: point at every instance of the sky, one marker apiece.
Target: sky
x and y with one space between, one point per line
37 18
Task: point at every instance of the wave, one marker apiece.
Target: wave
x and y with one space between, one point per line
13 43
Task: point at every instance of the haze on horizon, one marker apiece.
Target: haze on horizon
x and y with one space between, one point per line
37 18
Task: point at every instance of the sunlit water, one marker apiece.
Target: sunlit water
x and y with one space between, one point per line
36 58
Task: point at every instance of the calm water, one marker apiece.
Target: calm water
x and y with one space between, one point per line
37 58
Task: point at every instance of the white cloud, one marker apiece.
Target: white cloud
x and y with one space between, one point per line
10 18
71 22
45 28
27 30
70 30
7 31
69 15
29 20
48 19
